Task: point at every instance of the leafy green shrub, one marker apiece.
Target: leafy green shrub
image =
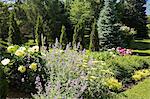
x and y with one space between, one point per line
73 75
21 65
127 35
3 85
100 56
124 66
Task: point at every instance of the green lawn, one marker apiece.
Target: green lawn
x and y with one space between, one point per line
140 91
142 51
141 47
140 44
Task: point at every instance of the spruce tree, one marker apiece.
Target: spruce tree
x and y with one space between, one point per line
108 32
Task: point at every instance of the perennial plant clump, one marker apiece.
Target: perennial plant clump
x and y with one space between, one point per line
21 67
73 74
140 74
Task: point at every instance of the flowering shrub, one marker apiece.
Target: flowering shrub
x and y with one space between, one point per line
120 51
73 75
123 51
127 35
21 66
138 75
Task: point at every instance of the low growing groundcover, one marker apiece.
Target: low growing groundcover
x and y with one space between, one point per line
139 91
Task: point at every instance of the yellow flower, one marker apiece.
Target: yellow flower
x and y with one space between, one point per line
85 65
93 77
22 69
20 53
11 49
5 61
33 49
33 66
95 62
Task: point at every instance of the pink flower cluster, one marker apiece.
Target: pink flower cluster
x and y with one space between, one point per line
123 51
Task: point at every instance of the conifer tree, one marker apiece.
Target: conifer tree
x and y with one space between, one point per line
93 37
39 31
108 32
14 34
63 36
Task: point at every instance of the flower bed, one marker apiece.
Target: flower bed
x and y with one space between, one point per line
70 73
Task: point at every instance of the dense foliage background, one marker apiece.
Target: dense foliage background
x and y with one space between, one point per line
72 21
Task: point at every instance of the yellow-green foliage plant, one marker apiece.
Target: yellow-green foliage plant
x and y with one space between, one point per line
140 74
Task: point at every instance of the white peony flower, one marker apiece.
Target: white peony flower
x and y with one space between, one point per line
35 48
5 61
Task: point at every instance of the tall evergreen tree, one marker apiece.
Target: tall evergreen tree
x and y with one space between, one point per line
107 29
134 16
93 37
14 34
39 31
4 18
63 39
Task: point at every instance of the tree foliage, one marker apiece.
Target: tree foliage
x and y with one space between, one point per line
80 14
133 14
107 29
20 19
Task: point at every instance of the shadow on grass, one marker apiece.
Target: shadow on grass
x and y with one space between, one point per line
141 54
140 45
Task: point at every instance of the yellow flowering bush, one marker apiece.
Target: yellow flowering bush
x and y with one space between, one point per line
140 74
22 67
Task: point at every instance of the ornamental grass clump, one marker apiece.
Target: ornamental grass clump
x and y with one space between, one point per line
21 67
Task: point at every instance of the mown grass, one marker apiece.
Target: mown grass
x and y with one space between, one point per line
140 44
140 91
141 47
142 52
